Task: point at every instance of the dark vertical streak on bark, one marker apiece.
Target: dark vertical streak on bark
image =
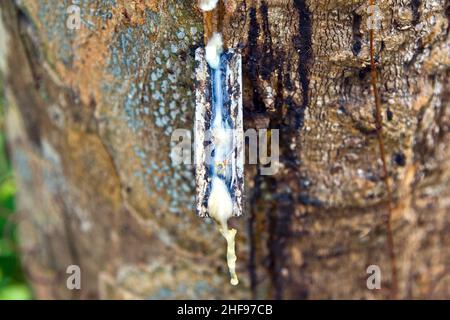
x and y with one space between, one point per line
26 46
356 46
303 45
447 14
251 70
415 5
254 56
70 241
256 194
220 14
267 65
281 231
279 217
273 248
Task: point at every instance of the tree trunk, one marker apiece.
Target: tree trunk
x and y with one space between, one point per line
89 118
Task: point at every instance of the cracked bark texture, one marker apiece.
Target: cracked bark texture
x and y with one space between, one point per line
89 118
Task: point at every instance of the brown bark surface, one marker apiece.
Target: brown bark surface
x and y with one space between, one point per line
89 118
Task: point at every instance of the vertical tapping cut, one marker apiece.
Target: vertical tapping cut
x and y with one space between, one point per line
220 204
219 175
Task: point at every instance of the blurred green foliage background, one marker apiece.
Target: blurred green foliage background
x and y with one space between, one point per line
12 281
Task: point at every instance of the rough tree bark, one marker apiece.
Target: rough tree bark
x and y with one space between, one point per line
89 120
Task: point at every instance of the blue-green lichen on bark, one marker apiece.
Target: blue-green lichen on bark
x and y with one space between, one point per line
153 70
